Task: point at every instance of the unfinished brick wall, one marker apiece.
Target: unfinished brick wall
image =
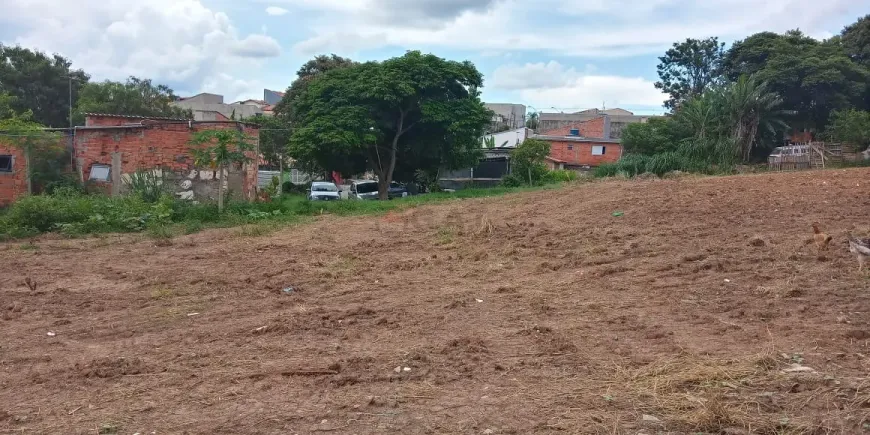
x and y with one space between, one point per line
157 144
598 128
12 184
580 153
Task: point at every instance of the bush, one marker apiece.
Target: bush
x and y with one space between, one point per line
289 187
560 176
147 185
511 180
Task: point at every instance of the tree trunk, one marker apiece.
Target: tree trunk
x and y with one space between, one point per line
221 180
530 175
27 171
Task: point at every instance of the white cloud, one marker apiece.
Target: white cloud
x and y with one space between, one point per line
179 41
256 46
546 85
564 27
276 11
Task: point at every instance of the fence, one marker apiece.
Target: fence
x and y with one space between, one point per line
819 155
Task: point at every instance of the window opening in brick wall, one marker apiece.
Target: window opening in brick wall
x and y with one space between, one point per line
5 163
100 173
598 150
570 147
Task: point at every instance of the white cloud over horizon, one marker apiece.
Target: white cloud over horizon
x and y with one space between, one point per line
197 45
181 41
546 85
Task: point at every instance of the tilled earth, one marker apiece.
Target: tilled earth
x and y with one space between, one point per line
617 307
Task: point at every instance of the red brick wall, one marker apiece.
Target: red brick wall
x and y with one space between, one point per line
580 153
591 128
157 146
12 184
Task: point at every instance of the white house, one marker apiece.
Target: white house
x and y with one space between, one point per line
508 139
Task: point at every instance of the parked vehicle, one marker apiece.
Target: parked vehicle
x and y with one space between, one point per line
397 190
324 191
368 189
363 189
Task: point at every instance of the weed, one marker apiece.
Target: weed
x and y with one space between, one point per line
256 230
161 293
28 247
193 226
446 235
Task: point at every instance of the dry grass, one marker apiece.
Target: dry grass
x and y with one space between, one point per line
752 395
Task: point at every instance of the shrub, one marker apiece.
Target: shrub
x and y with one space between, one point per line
511 180
560 176
148 185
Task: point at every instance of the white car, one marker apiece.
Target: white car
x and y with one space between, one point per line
324 191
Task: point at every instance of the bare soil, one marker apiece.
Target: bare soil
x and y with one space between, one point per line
699 309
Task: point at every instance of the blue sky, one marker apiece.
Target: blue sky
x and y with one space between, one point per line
563 54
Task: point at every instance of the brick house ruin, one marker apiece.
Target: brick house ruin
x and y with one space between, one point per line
109 148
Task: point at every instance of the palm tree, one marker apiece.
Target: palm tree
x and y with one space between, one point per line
752 110
532 122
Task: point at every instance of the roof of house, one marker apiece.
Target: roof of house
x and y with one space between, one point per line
574 139
111 115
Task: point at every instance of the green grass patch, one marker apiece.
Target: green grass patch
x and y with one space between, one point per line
74 214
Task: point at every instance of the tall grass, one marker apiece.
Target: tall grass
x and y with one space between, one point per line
72 213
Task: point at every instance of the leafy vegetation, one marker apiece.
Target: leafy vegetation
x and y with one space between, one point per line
218 150
528 160
413 112
851 127
689 68
73 213
134 97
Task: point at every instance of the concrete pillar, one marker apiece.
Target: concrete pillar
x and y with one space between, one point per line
116 174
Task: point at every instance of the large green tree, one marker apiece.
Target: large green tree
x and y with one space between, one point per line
307 72
275 132
657 135
851 127
856 41
414 112
689 68
813 78
40 84
134 97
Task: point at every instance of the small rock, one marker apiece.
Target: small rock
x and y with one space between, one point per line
288 290
406 369
842 319
479 300
647 417
727 280
192 314
261 329
323 421
398 369
50 334
488 432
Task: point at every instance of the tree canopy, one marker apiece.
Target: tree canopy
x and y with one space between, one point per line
689 68
134 97
311 69
813 78
409 113
39 83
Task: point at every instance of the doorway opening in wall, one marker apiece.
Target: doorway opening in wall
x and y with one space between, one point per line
5 163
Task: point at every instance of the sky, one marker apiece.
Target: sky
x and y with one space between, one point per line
551 55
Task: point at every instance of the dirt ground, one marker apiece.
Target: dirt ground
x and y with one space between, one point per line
699 309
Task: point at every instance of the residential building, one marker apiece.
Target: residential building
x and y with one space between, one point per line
582 145
109 148
272 97
510 138
511 116
205 105
13 174
619 118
